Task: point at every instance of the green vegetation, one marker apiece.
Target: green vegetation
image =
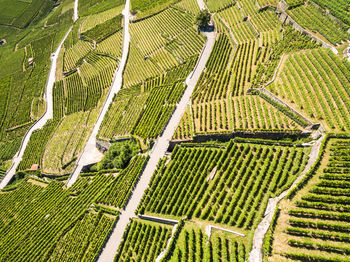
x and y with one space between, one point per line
21 13
203 18
147 7
215 6
37 212
23 84
316 223
311 17
143 241
227 186
119 155
101 31
294 3
38 141
66 143
193 245
217 190
220 103
317 83
339 9
167 53
119 190
292 41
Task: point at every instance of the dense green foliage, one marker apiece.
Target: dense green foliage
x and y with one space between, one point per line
102 31
144 110
147 7
21 13
339 9
119 190
38 140
318 220
312 17
228 186
318 83
22 85
119 155
143 241
193 245
203 18
47 214
292 41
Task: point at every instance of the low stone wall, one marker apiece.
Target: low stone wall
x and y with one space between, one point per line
159 220
102 146
276 99
227 137
286 19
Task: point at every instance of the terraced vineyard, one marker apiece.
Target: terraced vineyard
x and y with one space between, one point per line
229 185
317 83
143 241
83 80
315 224
49 215
249 98
312 18
167 55
193 244
220 103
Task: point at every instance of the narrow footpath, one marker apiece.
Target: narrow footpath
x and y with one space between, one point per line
158 151
90 153
75 14
42 121
256 254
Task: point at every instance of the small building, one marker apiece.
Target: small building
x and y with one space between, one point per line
34 167
30 61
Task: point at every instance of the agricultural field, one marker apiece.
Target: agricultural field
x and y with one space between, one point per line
239 61
262 140
148 98
66 143
49 214
22 84
159 43
193 244
21 13
314 225
144 109
339 9
143 241
317 83
144 8
312 17
83 80
217 184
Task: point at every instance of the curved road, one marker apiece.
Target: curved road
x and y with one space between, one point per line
90 153
42 121
49 107
158 151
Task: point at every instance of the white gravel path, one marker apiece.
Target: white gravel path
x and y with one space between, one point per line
256 254
158 151
90 153
42 121
75 15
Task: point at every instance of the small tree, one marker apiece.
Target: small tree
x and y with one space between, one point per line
203 18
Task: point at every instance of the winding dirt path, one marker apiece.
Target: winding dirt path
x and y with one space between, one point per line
42 121
256 254
90 153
